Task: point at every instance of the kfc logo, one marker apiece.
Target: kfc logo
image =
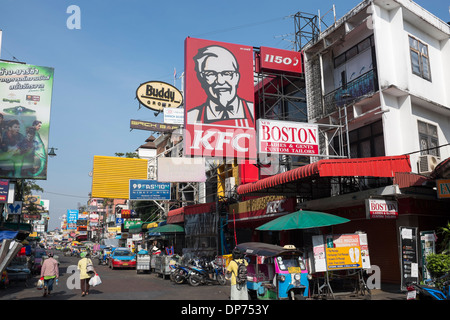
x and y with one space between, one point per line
220 118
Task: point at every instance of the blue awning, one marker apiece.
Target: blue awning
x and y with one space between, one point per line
6 234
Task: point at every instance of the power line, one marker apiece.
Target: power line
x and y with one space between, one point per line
66 195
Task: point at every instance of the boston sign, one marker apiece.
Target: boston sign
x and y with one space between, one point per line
285 137
158 95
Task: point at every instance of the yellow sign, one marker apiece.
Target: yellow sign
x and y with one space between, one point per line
158 95
111 176
443 188
343 252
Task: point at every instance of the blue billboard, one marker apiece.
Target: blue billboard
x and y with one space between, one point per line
149 190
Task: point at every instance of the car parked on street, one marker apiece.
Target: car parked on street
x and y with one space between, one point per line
122 258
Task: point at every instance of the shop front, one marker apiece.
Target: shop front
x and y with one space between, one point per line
244 217
349 188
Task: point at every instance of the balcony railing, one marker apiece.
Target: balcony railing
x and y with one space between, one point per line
365 84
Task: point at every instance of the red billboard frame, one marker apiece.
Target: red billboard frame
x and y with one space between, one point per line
219 100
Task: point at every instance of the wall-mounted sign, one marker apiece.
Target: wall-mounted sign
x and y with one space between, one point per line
152 126
4 188
381 209
174 116
280 60
287 137
149 190
443 189
158 95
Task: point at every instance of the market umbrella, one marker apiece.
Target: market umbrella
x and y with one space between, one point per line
302 220
169 228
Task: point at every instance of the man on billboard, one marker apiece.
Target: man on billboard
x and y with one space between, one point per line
218 72
220 118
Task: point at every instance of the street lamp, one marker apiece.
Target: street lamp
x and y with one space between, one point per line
51 152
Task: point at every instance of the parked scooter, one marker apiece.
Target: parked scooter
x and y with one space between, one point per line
179 273
206 272
426 292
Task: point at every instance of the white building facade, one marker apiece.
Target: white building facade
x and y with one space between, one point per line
387 62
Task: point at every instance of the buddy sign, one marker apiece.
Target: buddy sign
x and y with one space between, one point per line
158 95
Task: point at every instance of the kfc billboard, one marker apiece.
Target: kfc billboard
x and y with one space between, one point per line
286 137
219 95
280 60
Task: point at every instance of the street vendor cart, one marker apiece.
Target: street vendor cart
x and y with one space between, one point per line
142 261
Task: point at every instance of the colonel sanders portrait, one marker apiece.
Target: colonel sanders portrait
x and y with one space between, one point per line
218 73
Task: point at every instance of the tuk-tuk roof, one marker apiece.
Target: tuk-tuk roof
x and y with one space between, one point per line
264 249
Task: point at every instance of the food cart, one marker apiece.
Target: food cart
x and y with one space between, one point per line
143 261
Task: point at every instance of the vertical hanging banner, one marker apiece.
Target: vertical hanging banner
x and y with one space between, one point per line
25 101
219 100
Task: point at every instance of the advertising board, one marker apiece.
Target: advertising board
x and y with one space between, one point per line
149 190
181 169
219 100
381 209
285 61
443 189
25 102
340 252
287 137
111 176
158 95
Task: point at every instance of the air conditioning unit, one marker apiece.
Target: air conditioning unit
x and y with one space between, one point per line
427 163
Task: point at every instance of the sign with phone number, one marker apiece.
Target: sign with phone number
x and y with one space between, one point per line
149 190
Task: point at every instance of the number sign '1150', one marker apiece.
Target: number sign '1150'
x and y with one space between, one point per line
281 60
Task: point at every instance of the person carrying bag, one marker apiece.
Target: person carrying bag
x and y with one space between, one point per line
87 271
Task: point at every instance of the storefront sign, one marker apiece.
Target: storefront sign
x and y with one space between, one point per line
219 89
149 190
260 208
280 60
152 126
443 189
4 188
285 137
381 209
158 95
174 116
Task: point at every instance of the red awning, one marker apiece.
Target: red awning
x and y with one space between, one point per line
360 167
176 215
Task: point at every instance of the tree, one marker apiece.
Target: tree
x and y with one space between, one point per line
445 244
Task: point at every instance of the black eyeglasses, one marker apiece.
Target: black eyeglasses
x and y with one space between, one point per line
212 76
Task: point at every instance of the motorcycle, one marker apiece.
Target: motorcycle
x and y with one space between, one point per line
179 272
426 292
206 272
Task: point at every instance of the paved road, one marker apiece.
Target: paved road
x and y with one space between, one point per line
119 284
128 285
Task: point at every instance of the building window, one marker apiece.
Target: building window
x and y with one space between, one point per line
428 138
420 61
365 142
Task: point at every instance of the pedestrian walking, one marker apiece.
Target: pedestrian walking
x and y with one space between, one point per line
50 272
85 276
237 269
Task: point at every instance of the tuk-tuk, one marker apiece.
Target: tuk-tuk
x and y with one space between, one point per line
275 272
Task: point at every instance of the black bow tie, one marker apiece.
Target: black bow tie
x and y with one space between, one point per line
225 110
